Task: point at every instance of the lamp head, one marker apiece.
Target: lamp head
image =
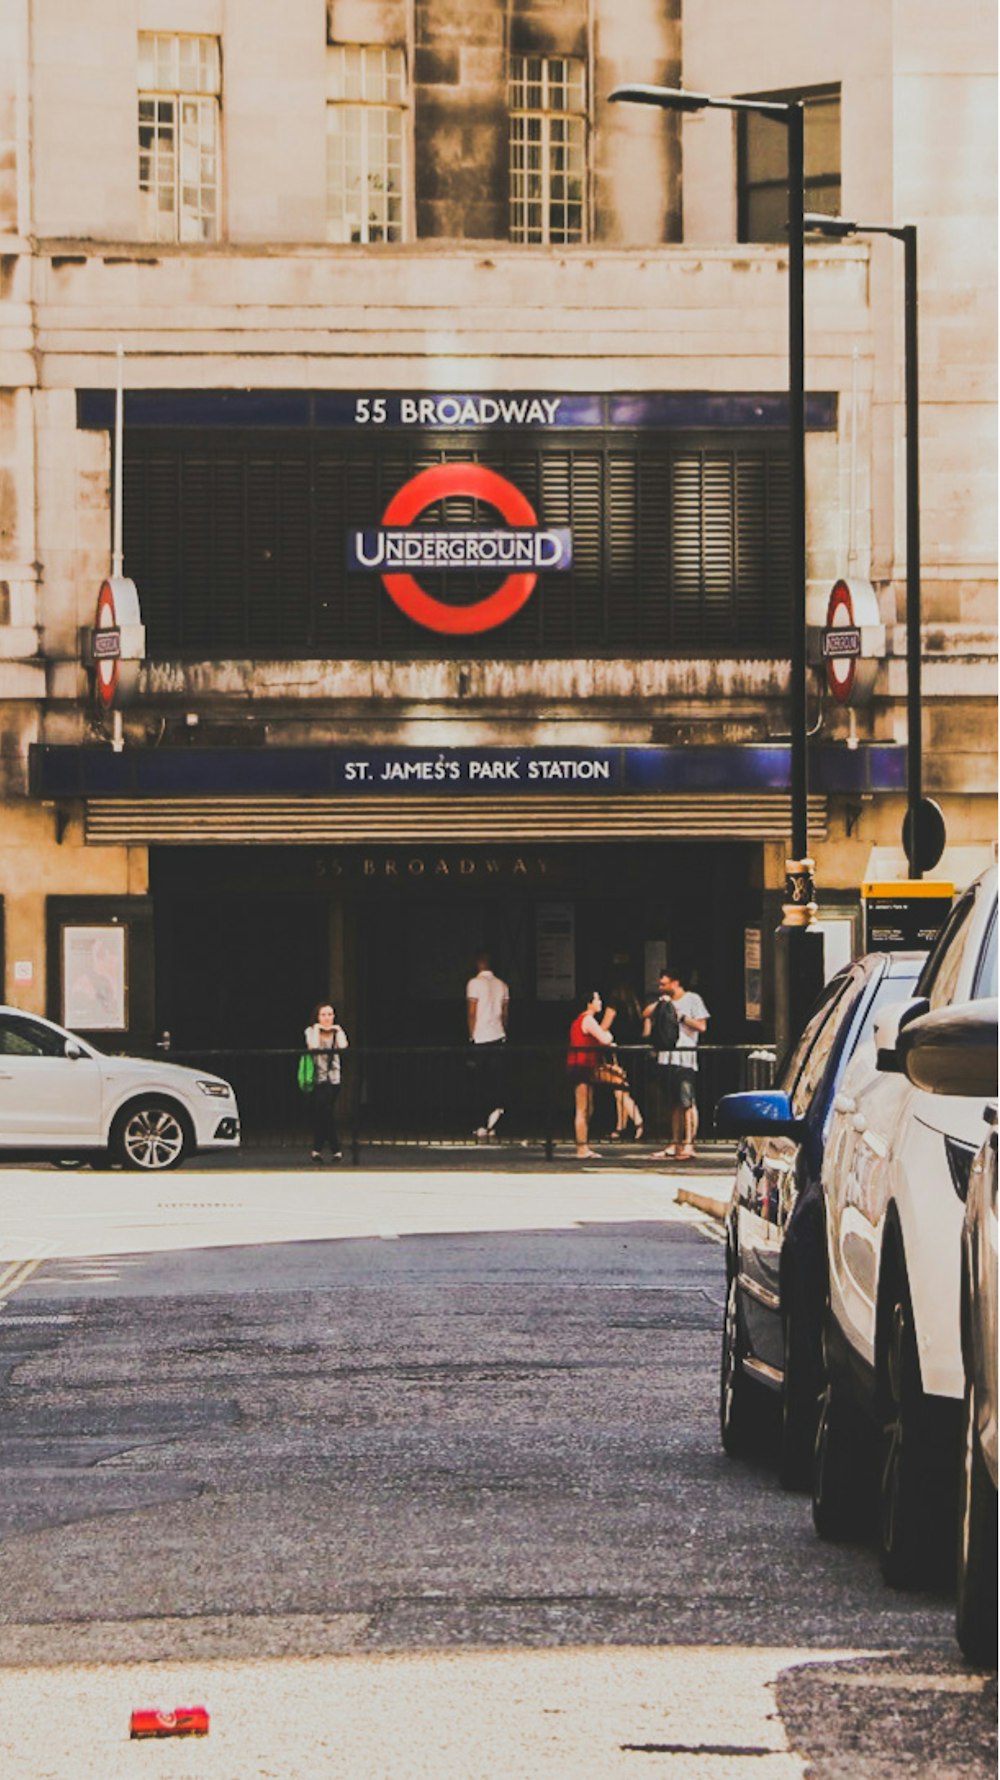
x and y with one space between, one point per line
837 228
667 98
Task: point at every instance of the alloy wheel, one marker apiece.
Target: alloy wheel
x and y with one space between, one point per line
152 1138
894 1430
735 1390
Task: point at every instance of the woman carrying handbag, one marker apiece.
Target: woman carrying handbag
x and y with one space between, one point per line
325 1040
624 1013
587 1040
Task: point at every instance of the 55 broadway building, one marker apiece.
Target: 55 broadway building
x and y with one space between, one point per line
452 599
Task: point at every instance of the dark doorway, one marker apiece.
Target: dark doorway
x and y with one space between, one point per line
239 970
249 939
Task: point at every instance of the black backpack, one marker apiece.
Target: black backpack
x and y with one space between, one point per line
664 1027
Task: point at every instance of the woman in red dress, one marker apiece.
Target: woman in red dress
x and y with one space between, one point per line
587 1038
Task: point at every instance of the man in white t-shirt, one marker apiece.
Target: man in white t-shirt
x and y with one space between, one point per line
680 1066
487 998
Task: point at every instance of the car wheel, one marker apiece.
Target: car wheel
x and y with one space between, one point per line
736 1392
841 1475
911 1499
151 1136
800 1393
976 1612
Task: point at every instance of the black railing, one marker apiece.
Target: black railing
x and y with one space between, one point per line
444 1093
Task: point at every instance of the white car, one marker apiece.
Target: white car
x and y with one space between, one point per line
955 1052
895 1178
61 1095
976 1617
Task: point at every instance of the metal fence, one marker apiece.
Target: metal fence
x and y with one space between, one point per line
443 1093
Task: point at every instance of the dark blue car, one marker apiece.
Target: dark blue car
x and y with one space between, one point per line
775 1242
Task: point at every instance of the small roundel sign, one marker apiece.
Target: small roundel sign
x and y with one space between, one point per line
113 656
841 643
107 646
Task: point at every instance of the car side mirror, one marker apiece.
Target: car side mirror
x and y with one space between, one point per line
74 1051
764 1112
952 1051
888 1027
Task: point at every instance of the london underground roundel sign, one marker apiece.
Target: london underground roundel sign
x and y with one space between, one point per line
841 643
117 641
525 548
107 646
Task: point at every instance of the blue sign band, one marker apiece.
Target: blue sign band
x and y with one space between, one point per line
672 410
58 771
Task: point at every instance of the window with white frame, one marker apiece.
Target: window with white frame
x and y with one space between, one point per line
366 95
179 87
548 148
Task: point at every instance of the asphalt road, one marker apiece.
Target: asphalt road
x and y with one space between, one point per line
408 1475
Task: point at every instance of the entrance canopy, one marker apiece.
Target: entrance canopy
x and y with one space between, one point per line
363 793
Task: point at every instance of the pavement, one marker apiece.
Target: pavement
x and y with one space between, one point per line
48 1212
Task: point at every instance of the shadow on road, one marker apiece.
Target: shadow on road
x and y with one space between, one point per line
915 1713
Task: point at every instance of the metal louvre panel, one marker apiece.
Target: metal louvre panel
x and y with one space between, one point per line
236 537
124 821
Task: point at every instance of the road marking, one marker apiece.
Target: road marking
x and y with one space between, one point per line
900 1682
15 1275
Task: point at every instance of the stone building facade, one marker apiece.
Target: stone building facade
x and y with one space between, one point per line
343 246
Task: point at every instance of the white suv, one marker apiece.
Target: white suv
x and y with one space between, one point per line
895 1178
61 1095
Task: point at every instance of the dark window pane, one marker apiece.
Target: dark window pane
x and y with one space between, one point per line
767 214
822 137
766 149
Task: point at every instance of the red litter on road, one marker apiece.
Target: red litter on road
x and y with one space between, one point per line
187 1721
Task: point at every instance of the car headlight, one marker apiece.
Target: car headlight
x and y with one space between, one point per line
218 1090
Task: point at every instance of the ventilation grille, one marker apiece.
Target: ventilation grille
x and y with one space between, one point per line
299 820
236 537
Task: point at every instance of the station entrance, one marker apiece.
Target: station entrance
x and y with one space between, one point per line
249 938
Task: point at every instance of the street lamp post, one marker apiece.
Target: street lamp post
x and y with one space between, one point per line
838 228
799 945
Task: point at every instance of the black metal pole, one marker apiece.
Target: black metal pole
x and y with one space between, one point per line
797 484
798 955
914 738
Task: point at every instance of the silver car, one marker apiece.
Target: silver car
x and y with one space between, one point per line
62 1096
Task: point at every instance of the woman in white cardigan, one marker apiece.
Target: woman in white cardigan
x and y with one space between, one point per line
325 1040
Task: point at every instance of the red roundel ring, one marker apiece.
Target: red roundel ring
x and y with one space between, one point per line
841 670
106 669
482 484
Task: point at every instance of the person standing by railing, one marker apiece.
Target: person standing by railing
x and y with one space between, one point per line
325 1040
679 1062
487 1000
587 1038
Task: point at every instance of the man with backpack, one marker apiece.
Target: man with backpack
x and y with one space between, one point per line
673 1023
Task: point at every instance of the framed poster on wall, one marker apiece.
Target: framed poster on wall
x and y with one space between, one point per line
752 991
95 978
555 951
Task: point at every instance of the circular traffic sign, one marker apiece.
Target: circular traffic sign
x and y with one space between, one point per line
931 835
482 484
